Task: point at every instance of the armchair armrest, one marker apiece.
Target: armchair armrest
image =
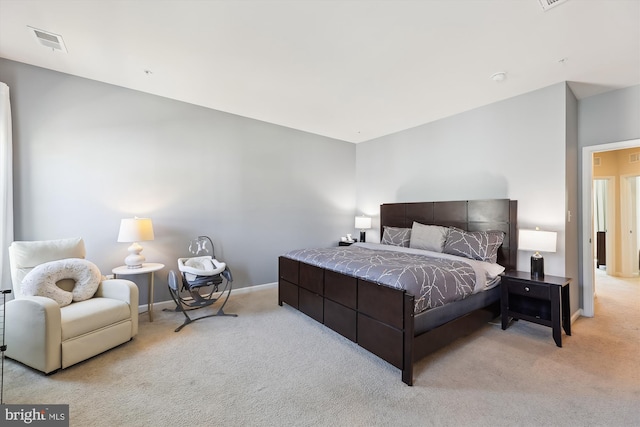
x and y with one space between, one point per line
32 331
123 290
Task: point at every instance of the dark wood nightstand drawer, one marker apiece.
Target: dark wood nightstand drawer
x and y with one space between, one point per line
528 289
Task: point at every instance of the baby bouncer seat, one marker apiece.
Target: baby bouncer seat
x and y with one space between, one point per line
203 280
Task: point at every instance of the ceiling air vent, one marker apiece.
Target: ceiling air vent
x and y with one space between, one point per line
596 161
50 40
635 157
548 4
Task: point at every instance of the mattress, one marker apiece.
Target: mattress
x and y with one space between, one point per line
435 279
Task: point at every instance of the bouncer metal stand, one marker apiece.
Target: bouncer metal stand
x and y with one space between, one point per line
203 281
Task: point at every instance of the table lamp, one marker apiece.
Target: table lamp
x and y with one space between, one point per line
134 230
363 223
537 241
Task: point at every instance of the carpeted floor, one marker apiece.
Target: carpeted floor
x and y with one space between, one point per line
273 366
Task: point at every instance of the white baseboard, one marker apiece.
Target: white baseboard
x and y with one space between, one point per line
170 304
576 315
157 306
250 289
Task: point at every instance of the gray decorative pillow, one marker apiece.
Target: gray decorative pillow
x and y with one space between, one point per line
428 237
479 245
396 236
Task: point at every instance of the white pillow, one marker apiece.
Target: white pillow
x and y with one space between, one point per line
41 281
428 237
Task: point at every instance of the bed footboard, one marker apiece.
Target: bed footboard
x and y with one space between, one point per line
376 317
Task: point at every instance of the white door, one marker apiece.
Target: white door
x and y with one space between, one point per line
629 225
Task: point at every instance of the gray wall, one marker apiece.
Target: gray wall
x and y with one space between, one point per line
87 154
611 117
572 209
604 119
510 149
526 148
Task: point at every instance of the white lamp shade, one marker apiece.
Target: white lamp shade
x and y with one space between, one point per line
135 230
537 240
363 222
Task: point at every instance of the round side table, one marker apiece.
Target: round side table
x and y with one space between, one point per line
147 268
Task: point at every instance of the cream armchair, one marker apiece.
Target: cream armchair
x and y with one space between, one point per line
47 337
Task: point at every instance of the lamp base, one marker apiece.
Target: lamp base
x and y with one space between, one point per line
537 267
134 259
363 235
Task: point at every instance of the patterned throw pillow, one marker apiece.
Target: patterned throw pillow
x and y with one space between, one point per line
396 236
479 245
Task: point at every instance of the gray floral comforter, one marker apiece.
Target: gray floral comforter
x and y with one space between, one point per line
432 280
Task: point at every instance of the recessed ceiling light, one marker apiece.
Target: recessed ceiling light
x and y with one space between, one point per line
499 76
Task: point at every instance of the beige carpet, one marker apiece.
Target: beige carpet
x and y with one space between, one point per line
273 366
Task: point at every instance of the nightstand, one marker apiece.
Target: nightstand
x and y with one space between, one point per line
543 301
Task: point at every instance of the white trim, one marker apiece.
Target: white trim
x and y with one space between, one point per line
576 315
249 289
246 290
157 306
587 219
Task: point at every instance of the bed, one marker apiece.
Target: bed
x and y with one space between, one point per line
371 307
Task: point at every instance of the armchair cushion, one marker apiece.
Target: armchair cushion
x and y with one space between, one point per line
41 281
26 255
91 315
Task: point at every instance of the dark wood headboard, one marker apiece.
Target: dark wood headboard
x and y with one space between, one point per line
469 215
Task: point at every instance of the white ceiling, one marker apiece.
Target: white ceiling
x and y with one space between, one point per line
351 70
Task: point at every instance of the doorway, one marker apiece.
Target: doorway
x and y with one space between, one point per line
588 244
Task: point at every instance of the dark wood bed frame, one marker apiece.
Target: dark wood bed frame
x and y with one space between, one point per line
380 318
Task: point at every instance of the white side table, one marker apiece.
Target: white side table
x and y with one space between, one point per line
147 268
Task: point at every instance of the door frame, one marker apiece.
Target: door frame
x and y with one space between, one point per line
588 266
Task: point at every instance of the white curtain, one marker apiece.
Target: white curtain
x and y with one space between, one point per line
600 204
6 186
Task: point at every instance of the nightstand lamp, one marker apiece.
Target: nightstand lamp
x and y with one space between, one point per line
363 223
537 241
134 230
